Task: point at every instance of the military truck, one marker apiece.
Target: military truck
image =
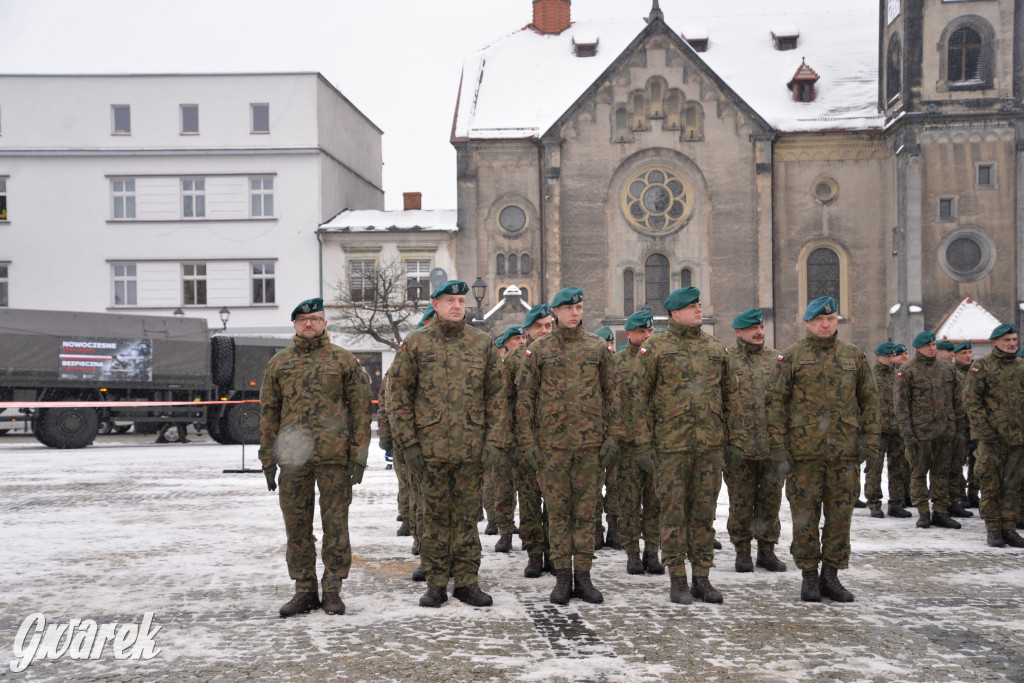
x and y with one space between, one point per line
118 358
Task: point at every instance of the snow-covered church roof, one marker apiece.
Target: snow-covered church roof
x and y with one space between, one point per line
518 86
969 320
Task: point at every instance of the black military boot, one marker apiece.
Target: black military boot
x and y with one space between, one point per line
876 511
958 510
1012 538
633 564
973 500
810 590
534 567
896 510
399 518
766 558
504 544
549 566
995 539
652 565
860 504
418 574
598 535
472 595
703 590
332 603
613 540
717 545
404 529
584 589
434 597
924 520
300 603
491 529
415 546
679 591
743 562
830 586
941 519
563 587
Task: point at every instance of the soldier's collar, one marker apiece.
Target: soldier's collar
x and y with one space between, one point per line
684 331
568 333
825 343
748 347
314 343
447 329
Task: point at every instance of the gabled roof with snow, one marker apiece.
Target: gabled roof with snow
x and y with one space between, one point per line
370 220
521 84
969 320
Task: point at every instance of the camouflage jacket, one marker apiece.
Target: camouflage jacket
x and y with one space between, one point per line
513 362
383 423
447 393
622 361
822 400
885 381
567 396
928 399
685 391
314 405
963 424
751 364
993 397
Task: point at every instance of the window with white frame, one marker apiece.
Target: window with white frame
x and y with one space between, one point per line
121 119
190 119
126 285
193 197
124 198
417 270
193 284
263 282
260 117
361 276
4 284
261 194
3 199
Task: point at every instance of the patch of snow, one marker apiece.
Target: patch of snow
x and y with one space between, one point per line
369 220
914 309
894 309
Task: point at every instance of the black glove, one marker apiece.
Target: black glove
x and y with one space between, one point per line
414 457
645 459
270 472
491 456
385 443
609 453
355 472
733 457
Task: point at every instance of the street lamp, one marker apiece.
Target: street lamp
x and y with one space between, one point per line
225 314
479 292
178 312
413 290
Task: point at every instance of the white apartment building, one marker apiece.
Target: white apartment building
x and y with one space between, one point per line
159 193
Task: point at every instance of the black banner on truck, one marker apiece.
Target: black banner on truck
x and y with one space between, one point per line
106 360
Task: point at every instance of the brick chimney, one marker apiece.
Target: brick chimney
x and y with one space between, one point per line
551 16
412 200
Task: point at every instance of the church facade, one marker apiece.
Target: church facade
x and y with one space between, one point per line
863 150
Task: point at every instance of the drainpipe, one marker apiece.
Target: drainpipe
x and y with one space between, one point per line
542 187
320 260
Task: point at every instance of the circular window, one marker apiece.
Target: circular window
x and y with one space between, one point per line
657 198
512 218
825 190
967 254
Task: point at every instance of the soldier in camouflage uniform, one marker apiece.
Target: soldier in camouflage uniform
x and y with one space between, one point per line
640 511
315 425
447 410
890 442
499 481
823 421
568 420
685 394
962 489
533 521
608 496
754 481
928 406
993 398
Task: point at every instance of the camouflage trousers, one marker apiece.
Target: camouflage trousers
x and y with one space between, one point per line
408 496
957 481
450 497
608 496
814 486
929 476
568 480
755 496
891 448
500 495
639 509
533 518
999 469
688 483
296 494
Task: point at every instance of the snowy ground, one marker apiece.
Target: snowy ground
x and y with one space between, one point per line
128 526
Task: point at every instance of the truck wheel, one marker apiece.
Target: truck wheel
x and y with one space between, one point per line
67 427
218 429
243 421
222 360
106 426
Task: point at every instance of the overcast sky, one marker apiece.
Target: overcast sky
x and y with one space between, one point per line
399 61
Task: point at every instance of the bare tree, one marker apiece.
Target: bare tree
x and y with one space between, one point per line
371 300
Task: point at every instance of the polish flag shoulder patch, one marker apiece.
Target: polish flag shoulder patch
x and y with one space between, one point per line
528 352
643 350
779 357
975 370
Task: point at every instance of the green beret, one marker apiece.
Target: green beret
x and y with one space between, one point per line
641 319
1005 328
569 295
513 331
308 306
823 305
923 338
885 349
427 315
536 313
900 348
944 345
451 287
605 333
748 318
681 298
962 345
